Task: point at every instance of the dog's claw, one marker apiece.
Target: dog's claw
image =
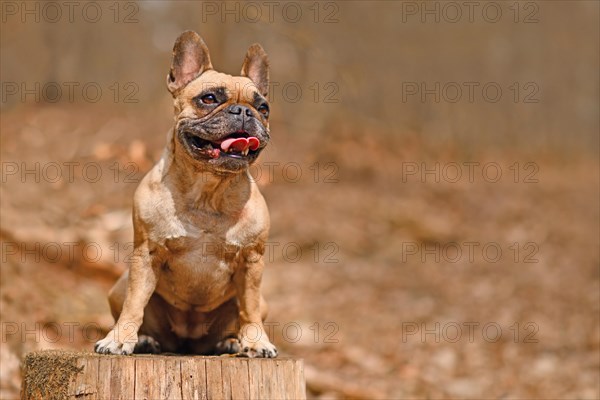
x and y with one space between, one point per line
260 350
230 345
110 344
147 345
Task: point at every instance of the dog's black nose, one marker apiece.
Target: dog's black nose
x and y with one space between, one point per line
238 110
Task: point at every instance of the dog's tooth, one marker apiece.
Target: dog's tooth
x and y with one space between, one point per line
245 152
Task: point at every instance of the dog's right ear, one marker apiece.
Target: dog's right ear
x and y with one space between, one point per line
190 60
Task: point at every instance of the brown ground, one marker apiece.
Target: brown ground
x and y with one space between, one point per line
355 302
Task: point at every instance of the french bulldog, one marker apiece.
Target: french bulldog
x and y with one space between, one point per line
200 222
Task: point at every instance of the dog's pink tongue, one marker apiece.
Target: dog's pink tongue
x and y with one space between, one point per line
240 144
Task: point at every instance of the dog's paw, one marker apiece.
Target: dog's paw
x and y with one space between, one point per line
111 345
258 349
146 345
228 346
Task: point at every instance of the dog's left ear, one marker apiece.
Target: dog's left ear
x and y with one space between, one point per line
256 67
190 60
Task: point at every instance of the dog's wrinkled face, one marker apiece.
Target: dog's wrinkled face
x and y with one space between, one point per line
222 121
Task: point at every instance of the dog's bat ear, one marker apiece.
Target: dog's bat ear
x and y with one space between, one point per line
256 67
190 60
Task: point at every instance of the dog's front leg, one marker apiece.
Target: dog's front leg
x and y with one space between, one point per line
253 337
140 286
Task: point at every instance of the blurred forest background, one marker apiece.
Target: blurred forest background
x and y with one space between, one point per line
370 278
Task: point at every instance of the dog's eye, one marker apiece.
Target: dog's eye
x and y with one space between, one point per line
264 110
208 99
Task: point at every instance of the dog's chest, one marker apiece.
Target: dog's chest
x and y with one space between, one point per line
205 249
200 263
212 236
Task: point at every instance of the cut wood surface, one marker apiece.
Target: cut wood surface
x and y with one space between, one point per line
57 374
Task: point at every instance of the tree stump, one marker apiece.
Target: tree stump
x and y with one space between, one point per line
61 375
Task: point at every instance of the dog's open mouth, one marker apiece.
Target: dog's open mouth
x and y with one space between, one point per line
237 145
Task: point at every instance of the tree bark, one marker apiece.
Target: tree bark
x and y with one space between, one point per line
89 376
